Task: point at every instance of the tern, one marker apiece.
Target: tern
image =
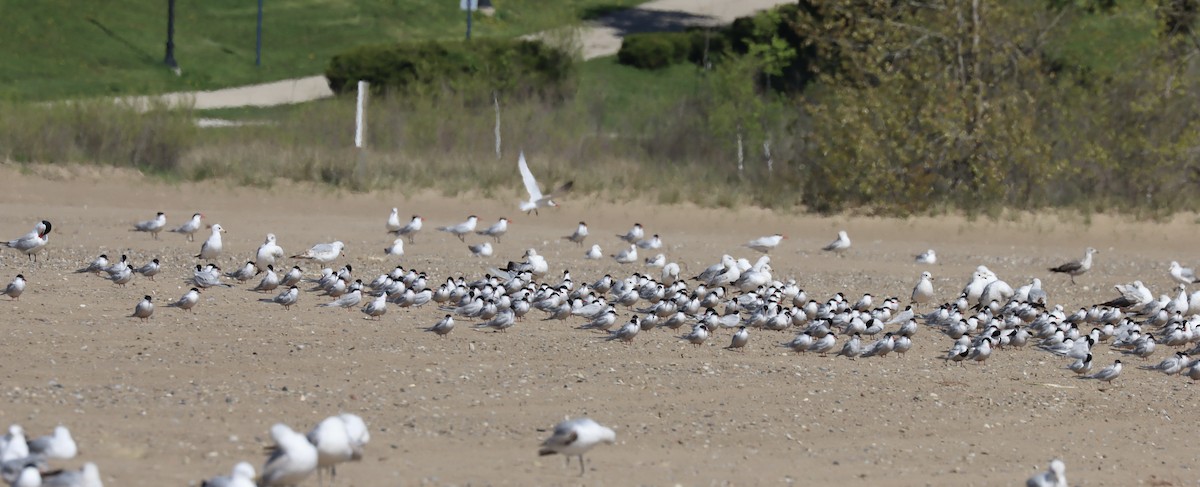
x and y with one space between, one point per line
188 301
634 234
462 228
536 198
286 298
481 250
15 288
144 309
497 229
153 226
627 256
190 227
33 242
411 229
839 244
581 233
149 270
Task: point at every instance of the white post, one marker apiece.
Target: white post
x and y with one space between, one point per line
360 120
767 152
496 99
741 154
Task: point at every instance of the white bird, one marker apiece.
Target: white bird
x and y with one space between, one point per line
286 298
497 229
267 253
377 307
293 459
443 326
348 300
656 261
594 253
928 257
241 476
581 233
144 309
190 227
503 320
740 338
88 476
149 270
121 277
923 291
481 250
574 437
627 256
15 288
634 234
269 282
245 273
1183 275
396 249
29 476
187 301
153 226
97 265
626 332
1107 374
333 445
1054 477
411 228
839 244
462 229
13 445
765 244
208 276
698 335
211 248
1077 267
60 445
324 252
536 198
393 221
33 242
652 243
292 277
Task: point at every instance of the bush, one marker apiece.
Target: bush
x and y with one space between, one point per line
655 50
514 67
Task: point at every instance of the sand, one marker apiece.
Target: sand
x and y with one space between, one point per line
185 396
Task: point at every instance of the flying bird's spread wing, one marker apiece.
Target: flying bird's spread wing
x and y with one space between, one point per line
531 184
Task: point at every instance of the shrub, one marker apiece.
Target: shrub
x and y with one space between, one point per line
476 68
655 50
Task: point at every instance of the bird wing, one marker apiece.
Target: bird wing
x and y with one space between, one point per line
531 184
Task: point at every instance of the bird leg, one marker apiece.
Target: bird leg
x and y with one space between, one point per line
582 469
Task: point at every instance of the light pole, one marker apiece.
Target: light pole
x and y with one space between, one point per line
170 58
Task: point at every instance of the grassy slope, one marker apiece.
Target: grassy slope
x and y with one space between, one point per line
63 48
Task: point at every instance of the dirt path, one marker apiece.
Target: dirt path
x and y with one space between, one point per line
187 395
600 38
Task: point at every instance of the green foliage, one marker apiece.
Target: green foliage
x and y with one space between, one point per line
71 48
655 50
513 67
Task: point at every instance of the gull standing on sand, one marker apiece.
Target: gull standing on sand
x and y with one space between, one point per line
581 233
144 309
293 459
242 476
153 226
267 253
211 248
393 221
15 288
536 198
765 244
190 227
481 250
928 257
497 229
839 244
574 437
461 229
1077 267
923 291
1056 476
323 252
333 445
396 249
88 476
627 256
33 242
411 229
60 445
1183 275
187 301
286 298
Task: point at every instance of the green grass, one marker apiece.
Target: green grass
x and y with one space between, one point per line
69 48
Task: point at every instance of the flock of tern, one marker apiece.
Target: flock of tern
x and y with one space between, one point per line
986 318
